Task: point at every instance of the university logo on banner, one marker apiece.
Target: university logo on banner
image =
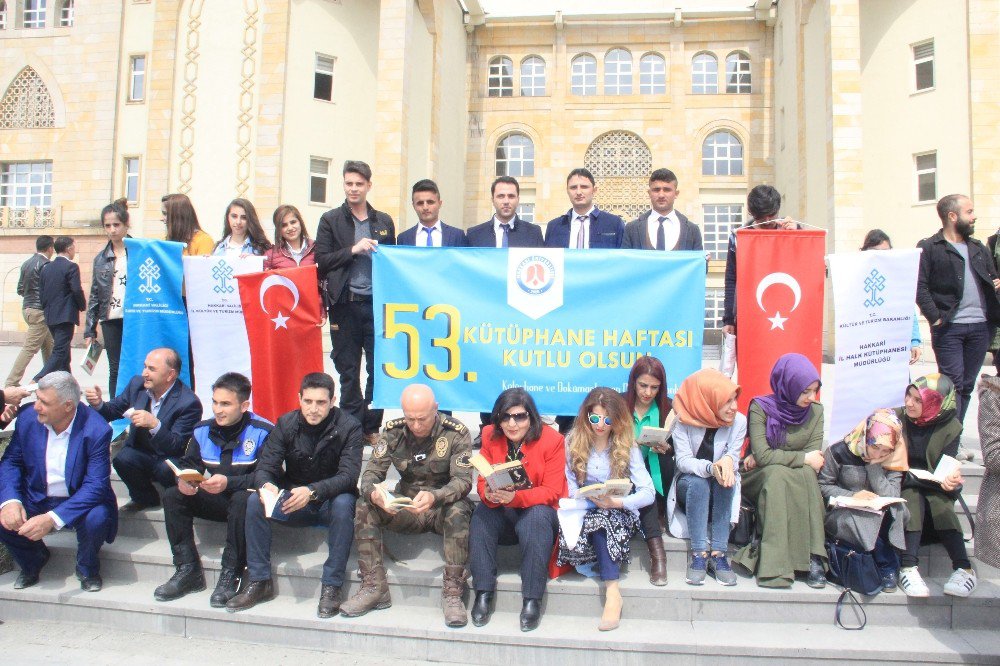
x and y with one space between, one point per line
535 281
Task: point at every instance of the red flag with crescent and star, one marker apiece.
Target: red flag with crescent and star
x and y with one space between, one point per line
282 312
780 278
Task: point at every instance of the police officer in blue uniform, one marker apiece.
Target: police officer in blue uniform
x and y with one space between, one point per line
225 450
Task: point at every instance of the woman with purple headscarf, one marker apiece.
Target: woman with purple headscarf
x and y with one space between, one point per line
786 438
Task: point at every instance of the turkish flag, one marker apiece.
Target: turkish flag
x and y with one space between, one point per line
780 277
282 312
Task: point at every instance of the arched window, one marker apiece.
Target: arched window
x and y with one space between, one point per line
738 73
621 163
722 155
532 77
515 156
584 75
3 15
618 72
704 74
66 14
652 74
27 103
501 79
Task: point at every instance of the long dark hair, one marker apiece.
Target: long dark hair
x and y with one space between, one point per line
181 220
279 214
875 237
514 397
649 365
254 231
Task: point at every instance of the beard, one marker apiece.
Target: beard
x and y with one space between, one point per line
965 229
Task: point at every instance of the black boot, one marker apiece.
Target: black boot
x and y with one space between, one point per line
482 608
817 573
258 591
226 588
187 578
531 614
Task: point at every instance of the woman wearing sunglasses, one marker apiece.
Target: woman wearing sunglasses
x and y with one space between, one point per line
526 517
602 447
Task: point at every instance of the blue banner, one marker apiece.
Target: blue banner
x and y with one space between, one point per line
154 305
472 322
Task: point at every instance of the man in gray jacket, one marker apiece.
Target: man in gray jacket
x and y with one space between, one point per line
37 336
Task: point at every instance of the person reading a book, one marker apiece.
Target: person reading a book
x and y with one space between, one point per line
431 453
705 495
868 465
524 515
646 397
311 462
932 431
224 449
600 449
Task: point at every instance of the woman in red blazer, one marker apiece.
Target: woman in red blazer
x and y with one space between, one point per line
526 517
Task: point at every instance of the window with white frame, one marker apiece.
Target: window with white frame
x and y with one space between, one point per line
66 14
738 73
652 74
137 78
715 301
515 156
704 74
583 75
26 185
717 222
3 15
323 78
618 72
526 211
532 77
501 77
926 165
132 179
923 65
319 175
722 155
34 14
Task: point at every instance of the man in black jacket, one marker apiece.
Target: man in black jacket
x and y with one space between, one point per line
62 301
345 241
320 447
37 336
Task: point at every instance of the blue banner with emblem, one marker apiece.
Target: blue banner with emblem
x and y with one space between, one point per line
154 306
472 322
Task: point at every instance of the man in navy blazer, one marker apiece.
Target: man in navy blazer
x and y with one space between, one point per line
662 227
62 302
163 413
431 232
56 472
506 229
584 225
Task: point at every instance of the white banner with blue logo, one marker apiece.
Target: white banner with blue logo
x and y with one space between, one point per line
219 340
873 298
154 305
472 322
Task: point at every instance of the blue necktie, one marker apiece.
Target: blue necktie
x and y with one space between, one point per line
506 230
429 231
661 239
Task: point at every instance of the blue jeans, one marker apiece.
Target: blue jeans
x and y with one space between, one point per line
960 350
336 514
606 567
698 497
92 531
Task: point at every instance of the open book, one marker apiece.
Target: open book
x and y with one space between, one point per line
874 505
944 469
610 488
651 436
93 355
391 499
192 476
273 502
504 476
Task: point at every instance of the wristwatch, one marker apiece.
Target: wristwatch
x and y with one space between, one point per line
313 497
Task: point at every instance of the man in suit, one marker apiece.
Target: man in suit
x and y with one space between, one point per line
163 412
38 336
431 232
62 301
662 227
584 225
506 229
56 473
345 241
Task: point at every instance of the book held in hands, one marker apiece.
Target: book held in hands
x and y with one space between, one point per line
504 476
272 503
657 437
192 476
945 467
610 488
92 356
391 499
872 504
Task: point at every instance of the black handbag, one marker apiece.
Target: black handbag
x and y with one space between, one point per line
855 571
746 526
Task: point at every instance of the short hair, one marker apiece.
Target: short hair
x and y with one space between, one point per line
514 397
665 175
43 243
583 173
119 208
763 201
358 167
949 204
317 380
173 359
280 213
425 185
510 180
64 384
62 244
235 382
875 237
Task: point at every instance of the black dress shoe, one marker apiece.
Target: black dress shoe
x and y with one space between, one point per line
90 583
133 507
817 574
187 578
482 608
329 601
227 588
531 614
258 591
29 578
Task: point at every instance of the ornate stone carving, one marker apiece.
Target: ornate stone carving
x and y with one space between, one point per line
621 163
244 130
192 44
27 103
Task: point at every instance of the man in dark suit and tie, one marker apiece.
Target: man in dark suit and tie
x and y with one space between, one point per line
62 302
55 473
662 227
506 229
584 225
431 232
163 412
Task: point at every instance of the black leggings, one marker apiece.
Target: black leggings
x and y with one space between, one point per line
951 540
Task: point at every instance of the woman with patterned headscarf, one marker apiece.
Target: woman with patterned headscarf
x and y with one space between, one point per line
931 431
869 463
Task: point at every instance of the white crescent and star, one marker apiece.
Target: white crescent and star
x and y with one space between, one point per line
281 321
777 321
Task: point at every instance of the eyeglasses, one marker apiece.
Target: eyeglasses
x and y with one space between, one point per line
596 418
519 417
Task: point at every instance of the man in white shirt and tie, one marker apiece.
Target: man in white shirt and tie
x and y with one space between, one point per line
431 232
584 225
662 227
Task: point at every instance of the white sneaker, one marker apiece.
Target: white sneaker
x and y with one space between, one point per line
912 583
961 583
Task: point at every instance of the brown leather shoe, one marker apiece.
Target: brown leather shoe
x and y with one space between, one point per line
373 595
657 562
257 592
329 601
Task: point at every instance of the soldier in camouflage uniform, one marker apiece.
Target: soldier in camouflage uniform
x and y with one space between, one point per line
431 452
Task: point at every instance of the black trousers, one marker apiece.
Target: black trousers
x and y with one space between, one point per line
138 469
112 331
534 528
352 332
180 510
59 359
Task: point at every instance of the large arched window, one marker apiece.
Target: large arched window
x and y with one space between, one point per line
618 72
584 75
738 73
515 156
704 74
501 78
722 155
621 163
652 74
27 103
532 77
